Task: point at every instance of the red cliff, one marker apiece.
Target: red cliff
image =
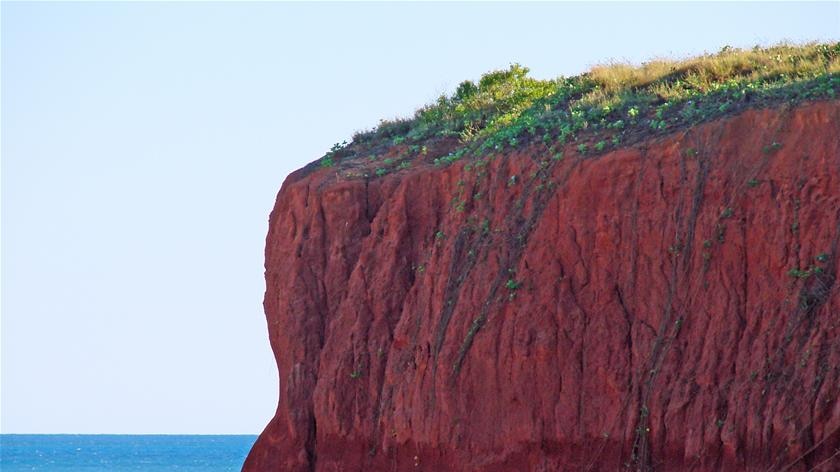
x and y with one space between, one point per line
670 305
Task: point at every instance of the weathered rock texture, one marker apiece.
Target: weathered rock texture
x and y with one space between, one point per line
632 310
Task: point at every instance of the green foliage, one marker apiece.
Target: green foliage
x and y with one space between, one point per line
512 284
798 273
774 146
329 158
507 108
465 91
451 157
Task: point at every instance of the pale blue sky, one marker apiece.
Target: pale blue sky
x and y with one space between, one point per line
143 145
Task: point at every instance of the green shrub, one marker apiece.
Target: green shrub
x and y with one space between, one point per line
798 273
329 158
774 146
507 108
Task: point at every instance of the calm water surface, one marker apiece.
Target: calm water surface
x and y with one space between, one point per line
19 452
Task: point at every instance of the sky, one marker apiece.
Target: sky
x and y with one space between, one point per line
142 146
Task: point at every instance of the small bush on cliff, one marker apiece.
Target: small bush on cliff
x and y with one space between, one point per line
329 158
798 273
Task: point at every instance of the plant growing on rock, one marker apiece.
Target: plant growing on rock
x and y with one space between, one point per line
508 109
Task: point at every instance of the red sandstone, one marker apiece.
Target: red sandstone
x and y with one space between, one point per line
656 324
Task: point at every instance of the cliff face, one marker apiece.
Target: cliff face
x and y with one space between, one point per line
669 306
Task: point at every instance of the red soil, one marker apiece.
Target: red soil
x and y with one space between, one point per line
655 325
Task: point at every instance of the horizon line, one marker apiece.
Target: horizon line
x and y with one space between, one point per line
129 434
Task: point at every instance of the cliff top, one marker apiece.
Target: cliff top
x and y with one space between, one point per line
610 106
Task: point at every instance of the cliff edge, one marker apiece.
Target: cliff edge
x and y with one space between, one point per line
666 301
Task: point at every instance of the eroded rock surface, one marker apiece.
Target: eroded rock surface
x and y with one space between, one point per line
669 306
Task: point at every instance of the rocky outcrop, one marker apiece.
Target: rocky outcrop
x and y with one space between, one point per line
672 305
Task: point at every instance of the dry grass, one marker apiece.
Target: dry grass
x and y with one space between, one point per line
702 73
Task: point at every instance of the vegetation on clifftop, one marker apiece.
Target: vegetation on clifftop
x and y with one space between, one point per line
609 106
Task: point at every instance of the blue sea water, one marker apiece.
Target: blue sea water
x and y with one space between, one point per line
148 453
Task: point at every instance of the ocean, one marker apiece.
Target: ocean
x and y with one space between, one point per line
107 452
